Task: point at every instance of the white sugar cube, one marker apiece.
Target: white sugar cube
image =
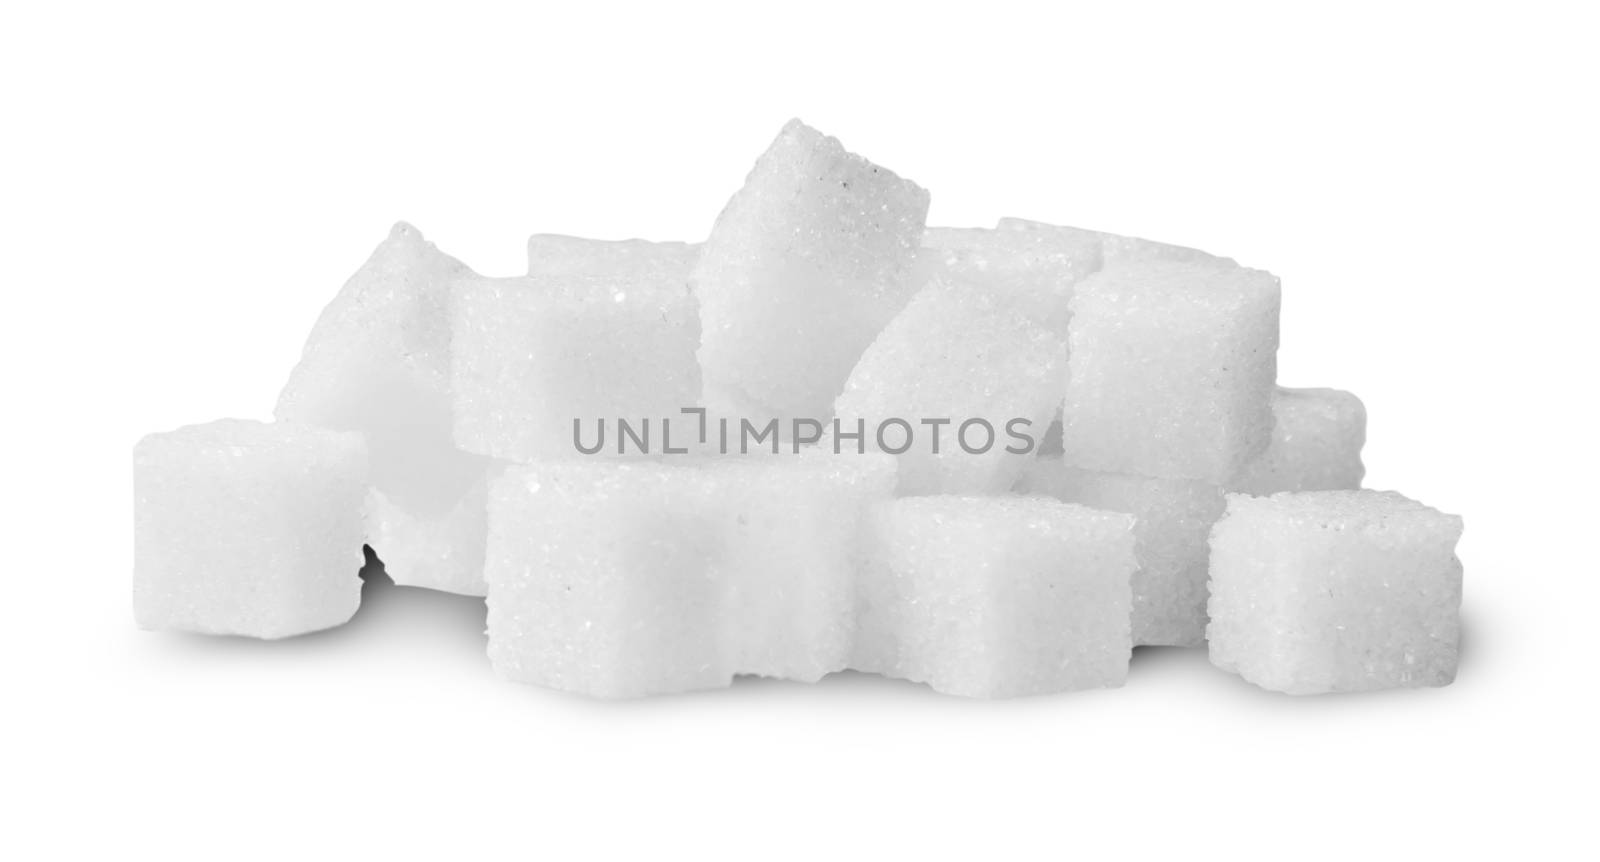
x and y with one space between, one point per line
543 362
1173 519
805 265
997 596
974 365
599 579
1171 370
1327 591
246 528
628 578
1316 445
1119 249
960 386
378 361
557 255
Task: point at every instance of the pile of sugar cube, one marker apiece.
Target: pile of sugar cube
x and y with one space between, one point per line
829 437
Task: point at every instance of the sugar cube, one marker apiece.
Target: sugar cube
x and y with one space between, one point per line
599 579
996 596
625 578
247 528
1325 591
958 386
974 365
1171 370
1119 249
545 361
1172 525
805 265
378 362
1316 444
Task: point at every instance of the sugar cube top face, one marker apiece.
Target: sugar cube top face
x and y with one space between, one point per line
1316 445
1172 526
1039 268
245 528
535 355
558 255
1329 591
996 596
628 578
805 265
1171 370
1118 249
378 361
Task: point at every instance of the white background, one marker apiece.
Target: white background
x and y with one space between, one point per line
182 188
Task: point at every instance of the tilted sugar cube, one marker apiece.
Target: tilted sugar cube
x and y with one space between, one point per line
996 596
960 386
558 255
246 528
628 578
378 361
535 355
805 265
1118 249
1171 370
974 365
1173 519
1316 445
1327 591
